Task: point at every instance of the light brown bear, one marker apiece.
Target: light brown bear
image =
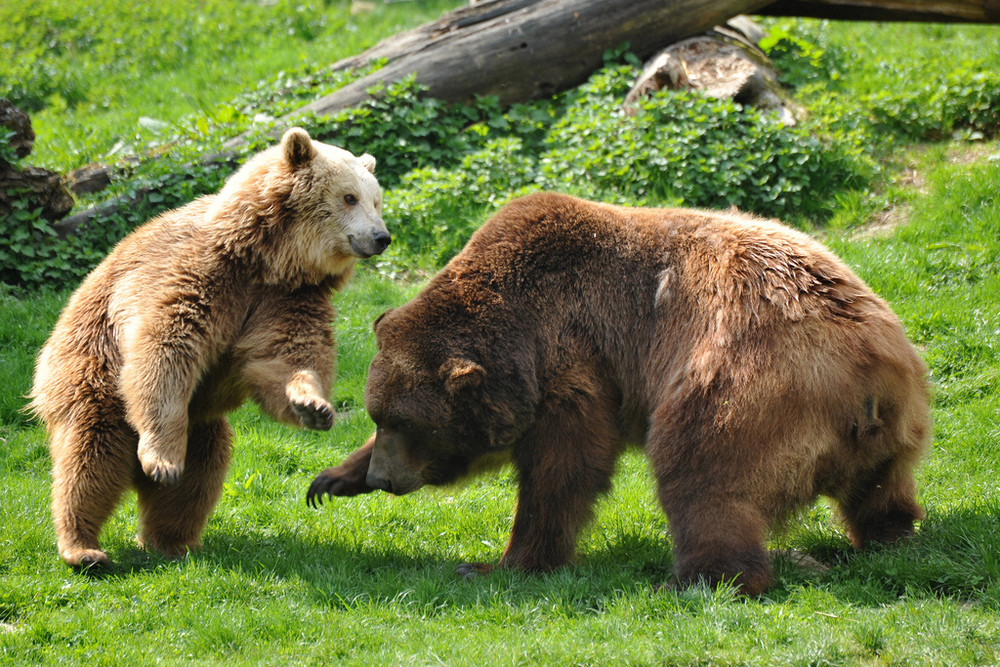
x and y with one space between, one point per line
757 369
206 305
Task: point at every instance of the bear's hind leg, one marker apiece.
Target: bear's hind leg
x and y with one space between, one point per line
91 469
172 517
881 507
718 515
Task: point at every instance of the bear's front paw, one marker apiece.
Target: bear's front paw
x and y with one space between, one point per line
337 481
315 413
160 470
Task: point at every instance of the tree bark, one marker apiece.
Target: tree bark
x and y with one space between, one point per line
521 50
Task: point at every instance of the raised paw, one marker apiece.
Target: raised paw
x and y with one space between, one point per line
161 471
314 413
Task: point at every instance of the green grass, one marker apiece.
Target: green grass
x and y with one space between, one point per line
371 580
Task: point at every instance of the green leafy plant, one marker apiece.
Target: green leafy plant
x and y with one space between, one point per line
801 58
966 103
694 150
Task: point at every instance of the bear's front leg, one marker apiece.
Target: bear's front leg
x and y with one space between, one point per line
346 479
288 344
164 354
564 463
162 454
162 430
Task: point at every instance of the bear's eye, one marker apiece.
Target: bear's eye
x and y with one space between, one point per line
350 200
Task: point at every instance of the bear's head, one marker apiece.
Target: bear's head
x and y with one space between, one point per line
445 401
320 205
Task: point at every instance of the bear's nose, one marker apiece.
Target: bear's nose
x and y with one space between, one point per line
382 241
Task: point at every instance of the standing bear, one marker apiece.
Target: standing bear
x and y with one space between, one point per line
206 305
755 367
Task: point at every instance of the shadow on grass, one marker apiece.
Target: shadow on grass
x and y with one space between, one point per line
953 555
345 575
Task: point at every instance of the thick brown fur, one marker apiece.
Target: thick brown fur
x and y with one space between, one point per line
209 304
757 369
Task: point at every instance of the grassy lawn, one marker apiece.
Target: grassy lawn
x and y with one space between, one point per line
371 580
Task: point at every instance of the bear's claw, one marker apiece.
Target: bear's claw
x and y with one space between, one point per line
315 414
163 472
321 488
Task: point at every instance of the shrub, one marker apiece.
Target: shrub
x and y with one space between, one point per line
687 148
436 210
801 58
966 103
446 166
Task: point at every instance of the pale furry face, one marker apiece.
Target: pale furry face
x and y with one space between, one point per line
349 194
337 203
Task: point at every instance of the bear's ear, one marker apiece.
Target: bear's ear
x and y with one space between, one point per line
462 374
368 162
297 147
379 319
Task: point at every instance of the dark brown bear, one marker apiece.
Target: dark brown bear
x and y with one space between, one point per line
755 367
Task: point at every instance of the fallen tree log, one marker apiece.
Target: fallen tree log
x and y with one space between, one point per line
521 50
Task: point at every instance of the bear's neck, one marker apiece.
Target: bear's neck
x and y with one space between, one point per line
257 241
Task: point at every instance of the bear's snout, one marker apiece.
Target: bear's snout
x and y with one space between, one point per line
366 245
377 482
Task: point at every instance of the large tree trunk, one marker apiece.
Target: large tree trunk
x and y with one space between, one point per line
519 50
